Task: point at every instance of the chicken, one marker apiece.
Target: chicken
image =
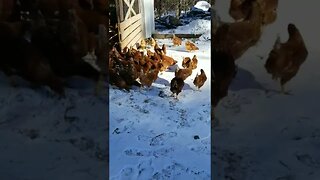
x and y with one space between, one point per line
176 86
183 73
224 71
125 50
236 38
152 42
194 62
155 64
286 58
186 62
124 70
129 73
166 62
148 78
158 50
199 80
38 71
117 80
138 57
164 49
143 44
150 54
190 46
92 19
240 9
269 10
117 54
22 58
176 41
148 64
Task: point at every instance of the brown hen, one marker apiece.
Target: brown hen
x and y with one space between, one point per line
194 62
236 38
176 41
199 80
148 78
166 62
186 62
190 46
224 70
183 73
286 58
176 86
240 9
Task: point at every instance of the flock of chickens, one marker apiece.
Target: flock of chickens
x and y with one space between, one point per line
46 41
140 66
232 40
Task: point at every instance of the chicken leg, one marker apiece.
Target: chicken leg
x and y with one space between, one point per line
283 90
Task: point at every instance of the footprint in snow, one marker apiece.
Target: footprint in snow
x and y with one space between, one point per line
170 172
141 109
144 138
145 171
162 152
230 164
127 127
203 149
147 153
136 152
176 170
233 102
315 133
160 139
83 143
307 160
30 133
127 173
172 104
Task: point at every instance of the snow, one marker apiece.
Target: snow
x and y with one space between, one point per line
152 134
202 5
45 137
263 134
198 26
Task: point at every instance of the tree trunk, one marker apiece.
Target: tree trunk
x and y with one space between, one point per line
160 8
178 9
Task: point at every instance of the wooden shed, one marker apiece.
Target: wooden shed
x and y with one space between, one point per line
135 21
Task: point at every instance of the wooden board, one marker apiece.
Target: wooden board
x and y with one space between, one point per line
135 40
131 37
130 22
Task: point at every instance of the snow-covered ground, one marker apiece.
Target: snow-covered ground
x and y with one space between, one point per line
199 26
44 137
263 134
154 136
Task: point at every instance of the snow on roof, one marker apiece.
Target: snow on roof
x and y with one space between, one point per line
203 5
